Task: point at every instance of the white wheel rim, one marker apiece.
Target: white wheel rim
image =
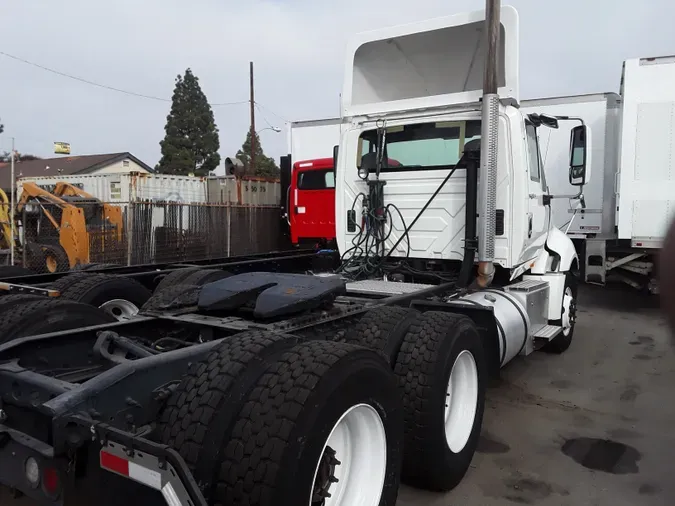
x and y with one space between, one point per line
568 297
461 401
360 445
121 309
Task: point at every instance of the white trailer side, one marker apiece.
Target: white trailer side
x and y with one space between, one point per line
647 154
601 113
308 140
630 198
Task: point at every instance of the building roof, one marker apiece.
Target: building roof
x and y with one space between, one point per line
63 166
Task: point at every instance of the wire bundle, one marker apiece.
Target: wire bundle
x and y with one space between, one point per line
367 255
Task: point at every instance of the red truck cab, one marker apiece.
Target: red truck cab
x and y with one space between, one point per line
311 201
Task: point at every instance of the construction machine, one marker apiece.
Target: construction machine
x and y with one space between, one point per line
66 228
6 240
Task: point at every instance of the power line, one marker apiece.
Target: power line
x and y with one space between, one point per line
272 112
263 116
133 93
104 86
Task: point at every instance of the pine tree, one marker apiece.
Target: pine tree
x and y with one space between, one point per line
191 143
264 165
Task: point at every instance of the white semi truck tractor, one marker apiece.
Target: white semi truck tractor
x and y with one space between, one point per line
428 194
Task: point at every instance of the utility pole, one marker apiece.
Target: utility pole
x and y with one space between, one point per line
487 195
252 164
11 205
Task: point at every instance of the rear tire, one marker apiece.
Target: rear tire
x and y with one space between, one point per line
95 266
205 276
383 329
119 296
200 414
9 301
48 315
319 394
175 278
173 298
442 372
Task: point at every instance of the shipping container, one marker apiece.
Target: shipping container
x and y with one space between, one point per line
130 187
246 191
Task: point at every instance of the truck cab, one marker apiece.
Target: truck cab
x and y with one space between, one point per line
424 121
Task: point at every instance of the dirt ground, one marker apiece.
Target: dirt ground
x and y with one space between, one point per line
593 426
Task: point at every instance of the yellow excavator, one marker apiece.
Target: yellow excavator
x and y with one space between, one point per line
62 229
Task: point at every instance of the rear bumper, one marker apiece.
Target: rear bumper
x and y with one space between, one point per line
155 466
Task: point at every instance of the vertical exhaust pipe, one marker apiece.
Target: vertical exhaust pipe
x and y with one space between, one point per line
489 146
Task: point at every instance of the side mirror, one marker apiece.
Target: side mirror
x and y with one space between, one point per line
543 120
548 120
335 157
580 155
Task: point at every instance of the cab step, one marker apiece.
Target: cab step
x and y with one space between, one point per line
548 332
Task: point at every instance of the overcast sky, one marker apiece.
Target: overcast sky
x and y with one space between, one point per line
570 47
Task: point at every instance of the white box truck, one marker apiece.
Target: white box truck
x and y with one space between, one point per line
309 140
619 221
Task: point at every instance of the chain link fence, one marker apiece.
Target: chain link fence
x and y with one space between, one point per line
56 238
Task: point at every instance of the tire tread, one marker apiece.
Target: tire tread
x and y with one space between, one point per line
382 329
263 432
416 369
208 387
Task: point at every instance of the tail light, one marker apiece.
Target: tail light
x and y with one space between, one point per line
51 482
47 476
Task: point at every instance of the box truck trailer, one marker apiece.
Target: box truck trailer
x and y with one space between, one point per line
620 219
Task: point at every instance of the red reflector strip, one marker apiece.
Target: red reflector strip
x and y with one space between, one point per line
131 470
114 463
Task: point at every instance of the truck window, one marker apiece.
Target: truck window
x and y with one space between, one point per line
316 179
423 146
534 159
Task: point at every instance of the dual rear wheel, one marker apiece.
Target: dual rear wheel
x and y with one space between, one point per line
440 367
274 419
269 419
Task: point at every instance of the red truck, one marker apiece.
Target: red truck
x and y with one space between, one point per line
310 202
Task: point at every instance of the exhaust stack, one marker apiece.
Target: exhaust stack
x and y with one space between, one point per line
487 194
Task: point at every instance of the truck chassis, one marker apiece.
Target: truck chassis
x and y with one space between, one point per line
77 405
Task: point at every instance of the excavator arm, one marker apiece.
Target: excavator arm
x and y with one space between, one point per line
31 191
63 189
111 213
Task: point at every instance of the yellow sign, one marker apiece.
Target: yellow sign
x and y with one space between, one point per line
62 148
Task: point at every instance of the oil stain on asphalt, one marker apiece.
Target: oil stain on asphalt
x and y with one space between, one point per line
602 455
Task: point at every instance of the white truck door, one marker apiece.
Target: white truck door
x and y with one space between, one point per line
538 213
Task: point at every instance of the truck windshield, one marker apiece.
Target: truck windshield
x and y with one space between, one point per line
316 179
426 146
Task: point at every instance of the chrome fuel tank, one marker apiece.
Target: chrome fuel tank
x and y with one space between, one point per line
513 322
